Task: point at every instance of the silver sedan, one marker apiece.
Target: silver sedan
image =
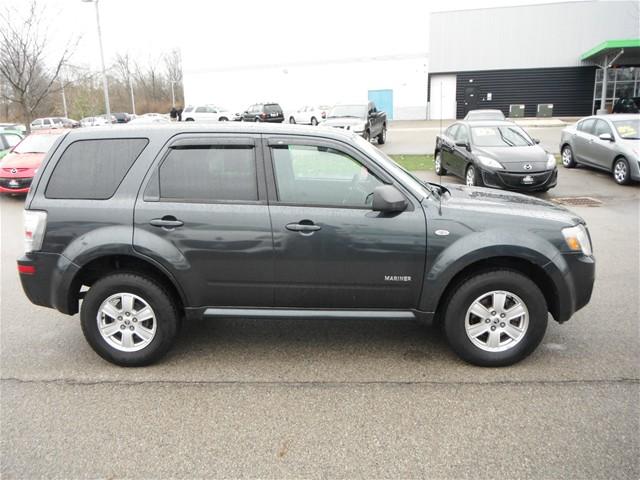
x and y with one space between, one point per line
607 142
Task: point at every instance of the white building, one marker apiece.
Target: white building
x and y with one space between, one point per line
398 84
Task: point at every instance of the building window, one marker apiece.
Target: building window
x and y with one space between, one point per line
621 83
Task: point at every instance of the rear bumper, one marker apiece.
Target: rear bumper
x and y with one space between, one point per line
522 182
48 282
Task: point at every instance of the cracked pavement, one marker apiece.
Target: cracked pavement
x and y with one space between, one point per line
332 399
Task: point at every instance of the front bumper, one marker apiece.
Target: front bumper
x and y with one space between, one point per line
573 277
15 184
522 182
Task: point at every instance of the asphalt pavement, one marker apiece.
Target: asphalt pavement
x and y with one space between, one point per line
332 399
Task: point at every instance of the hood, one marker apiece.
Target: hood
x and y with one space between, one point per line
514 158
22 160
343 121
485 204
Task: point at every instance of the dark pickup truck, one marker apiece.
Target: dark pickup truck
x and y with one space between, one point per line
363 119
140 227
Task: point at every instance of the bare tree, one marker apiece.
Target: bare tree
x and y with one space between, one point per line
27 66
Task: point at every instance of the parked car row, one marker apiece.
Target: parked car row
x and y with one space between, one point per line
48 123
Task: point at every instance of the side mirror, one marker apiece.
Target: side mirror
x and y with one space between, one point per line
607 137
387 199
464 145
536 140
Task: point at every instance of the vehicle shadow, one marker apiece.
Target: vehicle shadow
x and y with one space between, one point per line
405 339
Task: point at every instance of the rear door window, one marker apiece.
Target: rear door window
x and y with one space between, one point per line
93 169
587 126
209 173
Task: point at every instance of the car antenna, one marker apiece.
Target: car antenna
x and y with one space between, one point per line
440 176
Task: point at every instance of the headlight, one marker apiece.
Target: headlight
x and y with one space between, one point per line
577 239
489 162
551 161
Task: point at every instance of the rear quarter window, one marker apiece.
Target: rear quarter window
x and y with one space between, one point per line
93 169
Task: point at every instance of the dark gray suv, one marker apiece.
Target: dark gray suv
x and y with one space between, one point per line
140 227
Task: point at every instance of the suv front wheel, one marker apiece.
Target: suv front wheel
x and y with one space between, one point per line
129 319
496 318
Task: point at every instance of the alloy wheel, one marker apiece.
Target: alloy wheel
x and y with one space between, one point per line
126 322
566 157
497 321
471 177
620 172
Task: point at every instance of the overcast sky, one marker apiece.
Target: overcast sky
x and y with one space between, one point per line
219 34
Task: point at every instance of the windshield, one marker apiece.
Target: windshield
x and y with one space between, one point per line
358 111
500 136
417 186
36 143
628 129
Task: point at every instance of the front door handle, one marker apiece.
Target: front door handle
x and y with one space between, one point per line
168 221
306 227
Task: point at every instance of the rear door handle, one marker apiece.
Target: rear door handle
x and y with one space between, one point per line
168 221
302 227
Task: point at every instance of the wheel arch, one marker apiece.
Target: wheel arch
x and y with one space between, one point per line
515 264
616 158
101 266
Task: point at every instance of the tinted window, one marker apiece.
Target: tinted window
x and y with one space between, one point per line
273 108
209 173
321 176
201 109
587 126
93 169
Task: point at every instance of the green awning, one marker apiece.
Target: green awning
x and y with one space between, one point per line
631 55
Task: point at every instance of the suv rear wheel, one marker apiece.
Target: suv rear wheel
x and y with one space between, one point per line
496 318
129 319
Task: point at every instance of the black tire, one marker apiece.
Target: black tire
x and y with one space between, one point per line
292 120
621 172
223 119
382 137
477 176
189 120
367 135
166 317
438 168
257 120
314 121
473 288
568 160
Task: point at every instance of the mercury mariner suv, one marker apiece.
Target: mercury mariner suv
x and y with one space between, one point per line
138 228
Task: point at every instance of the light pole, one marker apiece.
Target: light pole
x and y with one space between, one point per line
105 83
133 101
173 95
64 100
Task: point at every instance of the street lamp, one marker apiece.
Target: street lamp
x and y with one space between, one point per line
105 84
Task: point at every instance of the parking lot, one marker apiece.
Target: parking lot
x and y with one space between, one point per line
325 399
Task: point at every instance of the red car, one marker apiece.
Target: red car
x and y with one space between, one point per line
18 168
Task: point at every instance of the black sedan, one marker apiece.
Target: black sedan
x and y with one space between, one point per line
496 154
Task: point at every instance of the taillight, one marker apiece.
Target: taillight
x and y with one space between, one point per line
35 223
262 115
26 269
